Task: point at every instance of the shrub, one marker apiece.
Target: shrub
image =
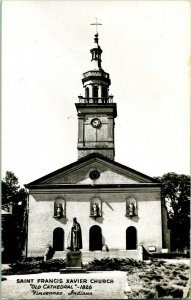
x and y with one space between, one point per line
174 291
3 278
34 266
171 255
110 264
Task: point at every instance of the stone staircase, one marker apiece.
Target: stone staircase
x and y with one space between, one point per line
88 256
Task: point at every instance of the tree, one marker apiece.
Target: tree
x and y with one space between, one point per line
11 191
176 193
14 198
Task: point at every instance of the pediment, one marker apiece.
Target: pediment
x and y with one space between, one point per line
110 172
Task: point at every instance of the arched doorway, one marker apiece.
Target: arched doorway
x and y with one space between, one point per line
87 92
131 238
95 238
104 94
95 91
58 239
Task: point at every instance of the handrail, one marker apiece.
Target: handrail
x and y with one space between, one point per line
95 100
96 73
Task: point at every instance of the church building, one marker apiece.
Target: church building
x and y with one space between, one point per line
119 209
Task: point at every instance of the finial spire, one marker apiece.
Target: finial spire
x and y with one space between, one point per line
96 24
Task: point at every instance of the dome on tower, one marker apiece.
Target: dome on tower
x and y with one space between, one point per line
96 81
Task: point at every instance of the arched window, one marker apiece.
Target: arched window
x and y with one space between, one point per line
131 238
87 92
95 238
95 91
58 239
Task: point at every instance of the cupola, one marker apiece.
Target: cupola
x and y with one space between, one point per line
96 81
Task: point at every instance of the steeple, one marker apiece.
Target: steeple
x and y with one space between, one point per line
96 110
96 52
96 81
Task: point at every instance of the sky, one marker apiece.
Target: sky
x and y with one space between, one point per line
46 49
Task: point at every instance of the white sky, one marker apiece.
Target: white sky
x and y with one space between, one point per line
45 50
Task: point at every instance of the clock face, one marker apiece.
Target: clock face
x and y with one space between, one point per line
96 123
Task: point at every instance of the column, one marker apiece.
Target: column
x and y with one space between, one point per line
81 128
110 127
99 93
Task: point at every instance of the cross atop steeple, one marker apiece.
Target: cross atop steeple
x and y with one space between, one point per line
96 24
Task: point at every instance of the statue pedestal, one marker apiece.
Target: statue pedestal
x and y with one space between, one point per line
73 263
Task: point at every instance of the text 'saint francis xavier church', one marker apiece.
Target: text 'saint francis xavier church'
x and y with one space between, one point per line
120 210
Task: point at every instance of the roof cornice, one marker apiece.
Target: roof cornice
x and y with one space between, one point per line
84 159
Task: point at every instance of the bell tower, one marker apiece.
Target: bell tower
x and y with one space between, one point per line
96 110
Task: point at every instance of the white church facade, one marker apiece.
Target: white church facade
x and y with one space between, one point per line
120 210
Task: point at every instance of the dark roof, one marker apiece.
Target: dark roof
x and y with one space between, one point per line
86 158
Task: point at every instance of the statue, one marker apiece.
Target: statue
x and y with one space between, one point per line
74 256
49 252
95 208
59 211
75 237
131 208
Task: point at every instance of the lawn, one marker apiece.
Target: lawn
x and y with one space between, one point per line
155 278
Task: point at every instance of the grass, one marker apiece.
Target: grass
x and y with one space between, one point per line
152 279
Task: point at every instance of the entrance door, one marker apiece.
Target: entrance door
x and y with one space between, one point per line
95 238
58 239
131 238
